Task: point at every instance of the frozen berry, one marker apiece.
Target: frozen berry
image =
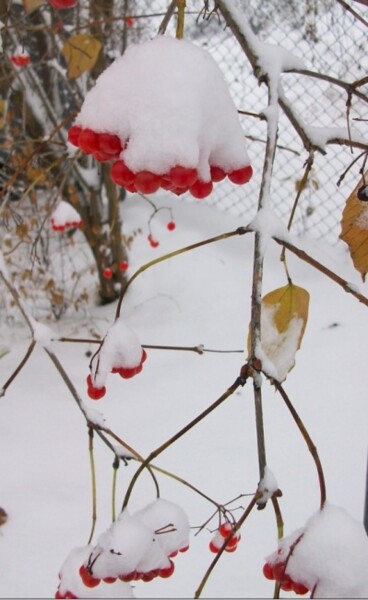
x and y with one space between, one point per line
124 265
73 135
299 588
147 182
21 60
107 273
241 176
268 571
88 141
153 242
168 571
182 176
109 144
87 577
121 174
95 393
217 174
201 189
129 21
171 225
62 4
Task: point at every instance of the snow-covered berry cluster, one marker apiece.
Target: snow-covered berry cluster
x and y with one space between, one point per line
65 216
137 546
328 557
222 533
163 113
20 58
120 352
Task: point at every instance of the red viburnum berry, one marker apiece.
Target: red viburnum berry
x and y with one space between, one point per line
183 177
21 60
144 356
69 594
109 579
215 549
73 135
201 189
107 273
129 21
168 571
62 4
101 156
268 571
109 144
171 225
127 577
58 594
147 182
121 174
299 588
184 549
242 175
87 577
95 393
153 242
88 141
124 266
279 571
217 174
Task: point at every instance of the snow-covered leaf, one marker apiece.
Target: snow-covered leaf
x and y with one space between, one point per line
284 315
80 52
354 227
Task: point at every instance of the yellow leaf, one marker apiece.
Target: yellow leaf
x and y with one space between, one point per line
31 5
284 315
80 52
354 227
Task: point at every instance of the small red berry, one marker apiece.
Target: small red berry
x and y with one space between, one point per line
299 588
168 571
184 549
59 595
73 135
121 174
143 359
88 141
217 174
70 595
171 225
62 4
95 393
124 266
87 578
21 60
225 529
240 176
147 182
183 177
215 549
268 571
101 156
107 273
109 579
109 144
129 21
201 189
153 242
279 571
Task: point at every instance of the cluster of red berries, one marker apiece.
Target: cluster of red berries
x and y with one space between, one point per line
221 535
106 146
277 572
96 393
66 225
63 4
89 581
108 273
21 60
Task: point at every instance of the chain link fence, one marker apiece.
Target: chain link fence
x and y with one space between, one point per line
330 39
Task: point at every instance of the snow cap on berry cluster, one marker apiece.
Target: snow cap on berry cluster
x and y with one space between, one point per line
331 557
65 215
168 100
71 582
140 543
120 348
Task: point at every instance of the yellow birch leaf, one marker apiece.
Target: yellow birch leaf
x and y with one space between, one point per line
354 226
284 315
80 52
31 5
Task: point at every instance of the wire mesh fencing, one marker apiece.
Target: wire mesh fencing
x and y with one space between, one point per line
330 39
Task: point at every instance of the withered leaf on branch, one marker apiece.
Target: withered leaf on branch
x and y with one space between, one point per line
80 52
354 226
284 315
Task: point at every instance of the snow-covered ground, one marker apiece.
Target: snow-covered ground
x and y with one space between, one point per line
201 297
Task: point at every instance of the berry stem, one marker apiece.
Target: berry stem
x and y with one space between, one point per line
237 526
240 381
180 22
93 481
156 261
311 447
278 515
18 368
115 467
